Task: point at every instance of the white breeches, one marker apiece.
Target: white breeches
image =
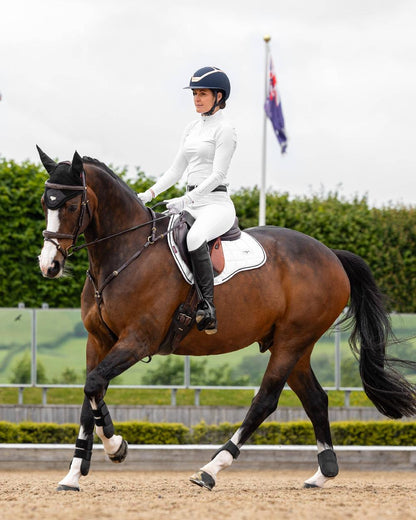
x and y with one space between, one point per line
211 221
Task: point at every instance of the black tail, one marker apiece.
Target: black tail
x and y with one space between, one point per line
390 392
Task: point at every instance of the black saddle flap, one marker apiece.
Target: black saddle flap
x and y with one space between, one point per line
184 224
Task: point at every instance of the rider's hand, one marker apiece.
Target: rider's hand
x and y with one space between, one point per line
146 196
178 204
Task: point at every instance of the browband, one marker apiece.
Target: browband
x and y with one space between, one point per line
63 187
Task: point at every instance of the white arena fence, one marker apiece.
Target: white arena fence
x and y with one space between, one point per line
54 340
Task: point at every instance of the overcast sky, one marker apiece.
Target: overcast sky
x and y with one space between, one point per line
106 77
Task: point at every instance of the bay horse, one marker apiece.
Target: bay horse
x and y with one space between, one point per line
133 288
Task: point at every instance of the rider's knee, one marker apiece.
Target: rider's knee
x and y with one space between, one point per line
194 240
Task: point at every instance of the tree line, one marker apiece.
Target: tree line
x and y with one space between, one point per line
385 237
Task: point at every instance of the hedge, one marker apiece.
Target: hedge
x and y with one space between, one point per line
384 237
349 433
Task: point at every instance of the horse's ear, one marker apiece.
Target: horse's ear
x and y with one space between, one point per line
77 165
47 162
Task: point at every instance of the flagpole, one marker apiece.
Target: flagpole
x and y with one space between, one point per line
262 201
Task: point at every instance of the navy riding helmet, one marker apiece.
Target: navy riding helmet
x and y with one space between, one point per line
212 78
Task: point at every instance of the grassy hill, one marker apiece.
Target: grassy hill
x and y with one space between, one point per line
61 342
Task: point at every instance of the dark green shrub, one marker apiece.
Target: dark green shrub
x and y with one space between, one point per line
8 432
352 433
153 433
46 433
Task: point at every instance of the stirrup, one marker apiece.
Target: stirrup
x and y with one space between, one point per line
205 318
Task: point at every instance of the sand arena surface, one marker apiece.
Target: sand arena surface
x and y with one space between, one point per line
238 495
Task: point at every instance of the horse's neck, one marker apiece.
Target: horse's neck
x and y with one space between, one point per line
116 210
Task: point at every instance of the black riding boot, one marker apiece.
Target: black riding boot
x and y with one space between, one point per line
204 283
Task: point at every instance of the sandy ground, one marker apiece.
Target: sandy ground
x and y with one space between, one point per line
238 495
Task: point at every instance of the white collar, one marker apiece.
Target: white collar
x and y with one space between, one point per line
215 117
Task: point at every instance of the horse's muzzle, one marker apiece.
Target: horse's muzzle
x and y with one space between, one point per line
53 270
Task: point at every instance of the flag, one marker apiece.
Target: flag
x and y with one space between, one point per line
273 108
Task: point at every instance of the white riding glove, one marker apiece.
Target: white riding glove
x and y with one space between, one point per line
178 204
146 196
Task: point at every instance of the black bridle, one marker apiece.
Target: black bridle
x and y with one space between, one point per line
52 236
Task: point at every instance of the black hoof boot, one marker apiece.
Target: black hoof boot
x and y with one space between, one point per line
206 318
203 479
306 485
62 487
120 454
327 461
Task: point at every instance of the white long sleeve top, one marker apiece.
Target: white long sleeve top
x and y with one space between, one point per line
205 153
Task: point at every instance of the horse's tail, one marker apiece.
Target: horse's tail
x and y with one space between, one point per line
390 392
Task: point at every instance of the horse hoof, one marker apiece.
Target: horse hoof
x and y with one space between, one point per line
120 454
62 487
203 479
306 485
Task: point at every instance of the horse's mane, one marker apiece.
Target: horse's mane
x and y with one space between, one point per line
102 166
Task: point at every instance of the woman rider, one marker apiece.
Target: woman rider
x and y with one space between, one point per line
205 153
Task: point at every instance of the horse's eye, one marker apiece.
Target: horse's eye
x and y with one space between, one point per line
72 208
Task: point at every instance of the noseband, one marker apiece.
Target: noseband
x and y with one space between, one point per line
52 236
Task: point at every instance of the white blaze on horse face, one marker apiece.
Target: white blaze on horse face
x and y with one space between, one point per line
49 250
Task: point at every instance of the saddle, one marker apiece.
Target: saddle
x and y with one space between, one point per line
181 229
184 317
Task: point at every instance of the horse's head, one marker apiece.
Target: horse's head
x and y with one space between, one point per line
64 202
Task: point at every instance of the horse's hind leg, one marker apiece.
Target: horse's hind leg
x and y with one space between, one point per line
264 403
303 382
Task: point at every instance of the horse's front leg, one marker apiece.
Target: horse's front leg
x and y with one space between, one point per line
122 356
94 410
80 464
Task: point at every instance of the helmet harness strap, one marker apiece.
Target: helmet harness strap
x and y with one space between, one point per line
214 106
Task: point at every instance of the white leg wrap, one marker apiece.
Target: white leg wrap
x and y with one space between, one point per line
318 480
112 444
72 478
223 460
74 474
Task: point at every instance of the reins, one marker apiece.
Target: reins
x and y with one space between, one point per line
119 233
52 236
151 239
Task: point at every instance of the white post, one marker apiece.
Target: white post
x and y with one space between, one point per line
262 201
33 370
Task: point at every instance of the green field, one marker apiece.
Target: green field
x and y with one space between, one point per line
61 346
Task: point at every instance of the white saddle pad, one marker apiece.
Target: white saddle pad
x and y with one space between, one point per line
240 255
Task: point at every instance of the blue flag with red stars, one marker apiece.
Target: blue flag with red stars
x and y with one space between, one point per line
273 108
